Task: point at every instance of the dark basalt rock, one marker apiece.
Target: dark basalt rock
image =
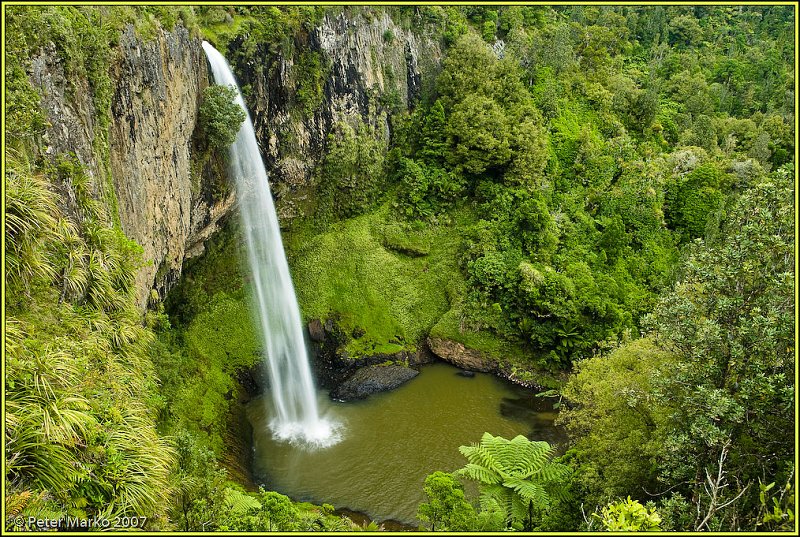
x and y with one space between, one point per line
465 373
250 379
316 330
333 365
358 333
372 379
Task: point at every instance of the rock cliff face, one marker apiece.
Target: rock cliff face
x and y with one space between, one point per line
369 66
147 158
462 356
72 122
166 203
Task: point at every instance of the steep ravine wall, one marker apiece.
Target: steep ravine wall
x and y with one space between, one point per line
370 65
166 203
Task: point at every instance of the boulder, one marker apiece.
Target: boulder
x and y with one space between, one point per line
316 331
461 356
372 379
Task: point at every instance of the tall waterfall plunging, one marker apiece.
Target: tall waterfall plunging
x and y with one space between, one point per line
277 312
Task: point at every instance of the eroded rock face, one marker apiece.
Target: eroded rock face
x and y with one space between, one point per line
72 125
166 206
461 356
366 57
162 206
157 85
372 379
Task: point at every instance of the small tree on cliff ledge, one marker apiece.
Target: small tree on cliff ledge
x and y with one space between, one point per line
220 116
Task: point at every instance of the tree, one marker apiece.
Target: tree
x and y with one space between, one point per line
730 322
479 135
692 200
517 474
468 69
530 151
684 31
279 511
434 136
617 426
446 509
629 515
220 116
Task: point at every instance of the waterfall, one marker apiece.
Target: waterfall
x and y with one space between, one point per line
275 304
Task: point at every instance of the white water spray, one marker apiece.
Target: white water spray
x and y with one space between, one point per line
277 312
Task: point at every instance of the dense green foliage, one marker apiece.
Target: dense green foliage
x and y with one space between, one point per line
447 509
351 174
617 428
220 116
602 190
708 399
629 515
515 476
651 197
518 483
81 393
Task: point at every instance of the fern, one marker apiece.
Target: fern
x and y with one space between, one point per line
481 455
515 474
529 492
530 458
499 495
239 503
520 513
478 473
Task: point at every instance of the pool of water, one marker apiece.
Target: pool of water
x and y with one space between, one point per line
391 441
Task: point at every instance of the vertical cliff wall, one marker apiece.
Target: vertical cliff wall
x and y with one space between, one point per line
165 200
356 66
164 203
368 66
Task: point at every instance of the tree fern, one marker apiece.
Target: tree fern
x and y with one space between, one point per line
481 456
478 473
239 503
529 491
515 474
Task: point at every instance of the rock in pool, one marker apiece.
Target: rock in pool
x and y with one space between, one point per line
372 379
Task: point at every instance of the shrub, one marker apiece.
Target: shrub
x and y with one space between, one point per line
220 116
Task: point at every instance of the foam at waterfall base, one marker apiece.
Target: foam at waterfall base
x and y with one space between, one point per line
316 435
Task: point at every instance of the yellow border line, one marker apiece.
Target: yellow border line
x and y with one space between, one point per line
397 3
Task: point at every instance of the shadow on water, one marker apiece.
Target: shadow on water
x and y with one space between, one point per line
539 413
